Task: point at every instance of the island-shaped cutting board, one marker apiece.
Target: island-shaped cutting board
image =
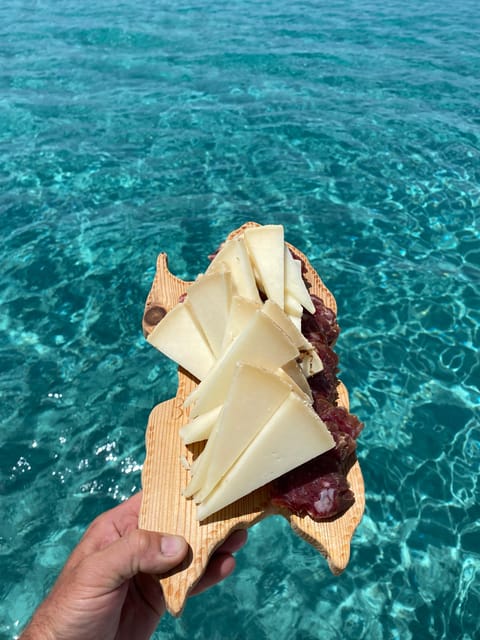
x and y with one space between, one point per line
165 471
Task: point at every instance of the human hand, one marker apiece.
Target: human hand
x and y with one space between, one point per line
107 590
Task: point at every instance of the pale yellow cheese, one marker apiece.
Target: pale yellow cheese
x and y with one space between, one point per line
278 315
310 363
295 373
254 396
266 249
310 360
294 284
200 427
294 435
262 343
180 338
210 296
293 385
241 312
294 310
292 306
233 257
297 321
198 473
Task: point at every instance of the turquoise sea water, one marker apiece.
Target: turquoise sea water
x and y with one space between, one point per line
130 128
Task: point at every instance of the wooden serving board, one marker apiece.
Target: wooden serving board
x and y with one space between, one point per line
165 471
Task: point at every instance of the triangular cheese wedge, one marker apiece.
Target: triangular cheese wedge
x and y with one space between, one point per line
241 312
233 257
200 427
278 315
294 435
266 248
180 338
210 296
198 473
295 373
292 306
309 358
310 363
294 310
293 385
262 344
254 396
294 283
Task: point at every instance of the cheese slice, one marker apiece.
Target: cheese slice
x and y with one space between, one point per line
200 427
266 248
241 312
310 363
294 283
262 343
293 385
294 310
233 257
278 315
309 358
292 306
297 321
254 396
295 373
180 338
210 297
198 473
294 435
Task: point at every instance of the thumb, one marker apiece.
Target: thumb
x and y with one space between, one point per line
139 551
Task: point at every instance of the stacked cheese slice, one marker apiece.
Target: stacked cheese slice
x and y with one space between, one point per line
238 332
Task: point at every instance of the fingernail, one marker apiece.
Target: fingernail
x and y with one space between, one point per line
171 545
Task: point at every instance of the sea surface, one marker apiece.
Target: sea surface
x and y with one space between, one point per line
128 129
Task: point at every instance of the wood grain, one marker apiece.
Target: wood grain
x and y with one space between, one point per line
165 471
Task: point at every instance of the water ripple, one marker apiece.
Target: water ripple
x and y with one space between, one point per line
128 129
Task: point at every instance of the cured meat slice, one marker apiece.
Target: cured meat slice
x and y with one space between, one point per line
319 487
311 490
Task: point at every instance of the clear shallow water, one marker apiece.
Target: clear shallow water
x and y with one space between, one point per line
129 130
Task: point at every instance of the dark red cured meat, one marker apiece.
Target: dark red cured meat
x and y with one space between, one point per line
338 418
324 383
314 490
322 322
320 487
345 445
321 330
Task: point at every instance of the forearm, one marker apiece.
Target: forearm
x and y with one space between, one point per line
41 626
